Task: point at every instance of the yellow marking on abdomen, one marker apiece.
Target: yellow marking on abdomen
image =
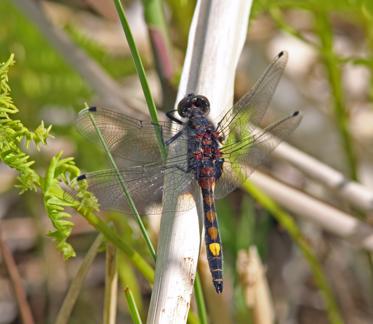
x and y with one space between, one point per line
213 233
214 249
210 215
208 200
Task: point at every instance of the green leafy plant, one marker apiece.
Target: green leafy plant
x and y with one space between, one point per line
13 133
15 139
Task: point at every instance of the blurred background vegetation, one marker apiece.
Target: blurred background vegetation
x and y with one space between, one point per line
329 78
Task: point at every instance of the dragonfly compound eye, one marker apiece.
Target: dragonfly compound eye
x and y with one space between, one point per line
202 103
185 105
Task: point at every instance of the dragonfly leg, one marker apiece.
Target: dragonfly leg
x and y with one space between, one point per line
173 138
218 168
170 114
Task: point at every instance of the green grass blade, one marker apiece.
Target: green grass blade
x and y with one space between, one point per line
331 63
132 307
200 300
142 76
128 277
113 237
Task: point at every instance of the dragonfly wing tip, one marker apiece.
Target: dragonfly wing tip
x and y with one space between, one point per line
81 177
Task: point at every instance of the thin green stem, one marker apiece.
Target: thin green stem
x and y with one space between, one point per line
276 14
132 307
331 63
200 300
291 227
128 278
124 189
368 22
142 76
113 237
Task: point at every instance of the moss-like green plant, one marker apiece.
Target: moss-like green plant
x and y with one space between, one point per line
13 133
15 138
55 202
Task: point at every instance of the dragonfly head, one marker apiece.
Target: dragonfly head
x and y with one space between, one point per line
191 103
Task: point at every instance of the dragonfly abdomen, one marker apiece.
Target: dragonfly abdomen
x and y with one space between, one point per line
212 238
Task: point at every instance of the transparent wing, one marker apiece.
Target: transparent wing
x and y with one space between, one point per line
145 185
131 140
253 105
134 146
244 152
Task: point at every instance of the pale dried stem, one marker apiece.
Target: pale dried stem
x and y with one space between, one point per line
316 211
64 313
16 281
216 38
255 286
353 192
111 286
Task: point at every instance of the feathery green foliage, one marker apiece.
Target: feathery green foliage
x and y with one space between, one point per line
59 171
13 133
14 138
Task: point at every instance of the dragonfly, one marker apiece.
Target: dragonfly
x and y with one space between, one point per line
217 157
